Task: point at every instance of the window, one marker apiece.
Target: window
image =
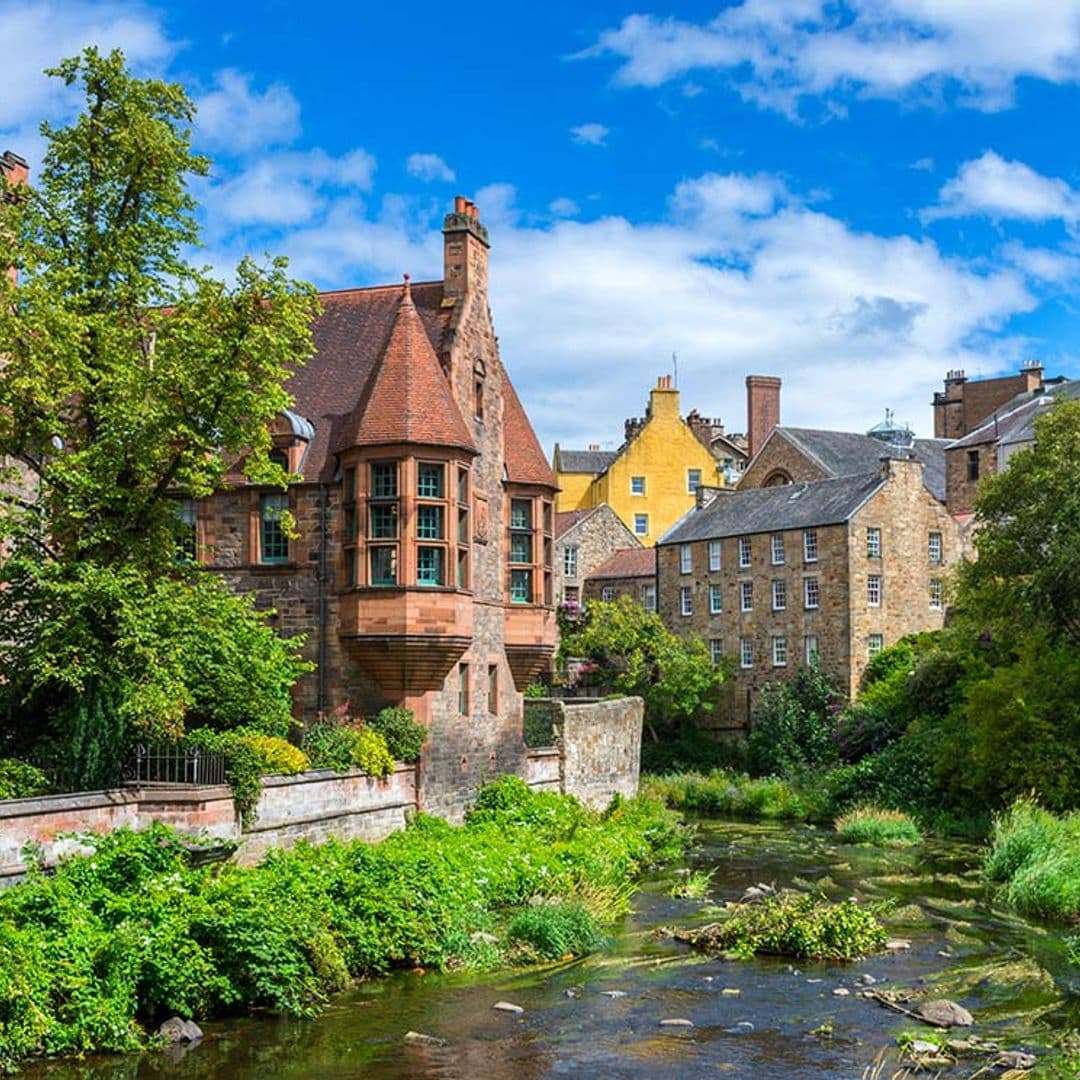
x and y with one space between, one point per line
521 550
384 566
607 593
874 644
279 458
693 480
521 586
464 528
569 561
933 547
429 522
686 559
521 547
810 650
430 566
348 506
744 552
716 601
384 480
873 543
973 465
463 689
778 554
686 600
493 688
779 652
715 650
572 594
637 485
811 593
273 543
641 524
184 529
746 652
873 590
809 545
430 481
779 595
714 555
648 597
382 523
746 596
937 594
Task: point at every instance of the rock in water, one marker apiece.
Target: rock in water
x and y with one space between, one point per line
944 1013
419 1038
921 1046
1015 1059
677 1021
508 1007
175 1030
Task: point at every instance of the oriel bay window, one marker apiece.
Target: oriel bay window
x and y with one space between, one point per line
383 523
431 523
464 528
529 550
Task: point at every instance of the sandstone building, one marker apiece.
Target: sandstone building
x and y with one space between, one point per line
422 574
583 540
651 479
630 572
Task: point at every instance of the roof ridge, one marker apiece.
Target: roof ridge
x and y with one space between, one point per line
352 289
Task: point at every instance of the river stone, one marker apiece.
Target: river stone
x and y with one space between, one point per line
1015 1059
866 980
944 1013
507 1007
420 1039
175 1030
897 944
841 991
677 1021
613 993
731 991
921 1046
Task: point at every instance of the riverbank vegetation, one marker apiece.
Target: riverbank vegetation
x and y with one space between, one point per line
94 955
872 825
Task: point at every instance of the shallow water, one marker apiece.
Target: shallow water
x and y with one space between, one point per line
1012 975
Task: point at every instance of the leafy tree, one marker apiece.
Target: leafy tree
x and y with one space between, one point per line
638 655
129 375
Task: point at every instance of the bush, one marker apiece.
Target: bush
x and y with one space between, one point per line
336 742
798 925
276 757
724 794
872 825
404 737
554 931
21 781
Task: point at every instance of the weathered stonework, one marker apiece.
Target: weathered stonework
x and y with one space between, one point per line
595 535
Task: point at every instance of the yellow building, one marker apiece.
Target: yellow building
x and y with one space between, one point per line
651 480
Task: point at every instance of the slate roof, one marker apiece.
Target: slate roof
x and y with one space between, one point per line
773 509
1014 422
627 563
845 453
585 461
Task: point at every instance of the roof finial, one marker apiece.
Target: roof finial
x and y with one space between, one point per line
406 290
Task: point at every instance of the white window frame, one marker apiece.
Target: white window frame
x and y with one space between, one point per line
935 548
716 651
686 600
746 652
716 599
776 549
746 553
779 650
874 644
937 594
809 545
806 585
746 596
570 560
691 484
686 559
875 587
648 596
641 524
811 649
873 542
607 593
714 556
779 594
634 485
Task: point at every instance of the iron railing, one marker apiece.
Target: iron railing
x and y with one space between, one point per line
165 764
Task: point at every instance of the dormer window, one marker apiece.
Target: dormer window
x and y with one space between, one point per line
279 458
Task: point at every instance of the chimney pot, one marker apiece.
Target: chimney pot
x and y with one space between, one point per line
460 202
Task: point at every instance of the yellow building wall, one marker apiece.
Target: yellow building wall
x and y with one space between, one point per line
663 452
573 491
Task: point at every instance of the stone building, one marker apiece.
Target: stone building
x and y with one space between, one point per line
964 404
583 540
651 479
630 572
828 570
422 573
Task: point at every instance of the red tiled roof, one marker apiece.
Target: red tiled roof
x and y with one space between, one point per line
406 398
626 563
567 519
525 460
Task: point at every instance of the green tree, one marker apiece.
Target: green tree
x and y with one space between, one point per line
128 376
638 655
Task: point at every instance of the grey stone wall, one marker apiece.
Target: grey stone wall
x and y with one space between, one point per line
597 537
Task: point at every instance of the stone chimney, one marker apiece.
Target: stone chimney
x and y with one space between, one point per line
762 409
15 172
465 250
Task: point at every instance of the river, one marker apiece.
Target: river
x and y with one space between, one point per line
600 1017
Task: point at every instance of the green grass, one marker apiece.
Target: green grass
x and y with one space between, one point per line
554 931
694 886
872 825
721 793
1034 859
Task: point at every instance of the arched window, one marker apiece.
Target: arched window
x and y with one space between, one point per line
777 478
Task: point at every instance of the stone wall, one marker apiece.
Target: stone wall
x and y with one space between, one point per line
597 537
780 455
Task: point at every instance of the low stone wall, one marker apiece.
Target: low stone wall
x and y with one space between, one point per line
542 768
599 746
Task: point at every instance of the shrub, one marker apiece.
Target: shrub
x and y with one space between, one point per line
21 781
554 931
797 925
872 825
724 794
276 757
404 737
336 742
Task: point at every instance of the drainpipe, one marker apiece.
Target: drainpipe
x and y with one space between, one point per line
322 578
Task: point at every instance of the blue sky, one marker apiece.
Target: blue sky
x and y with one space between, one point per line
856 196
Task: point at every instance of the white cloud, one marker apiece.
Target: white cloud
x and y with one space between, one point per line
429 167
992 187
497 203
777 52
924 164
590 134
564 207
1044 264
237 119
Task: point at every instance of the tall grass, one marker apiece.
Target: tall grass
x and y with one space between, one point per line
1034 858
721 793
873 825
